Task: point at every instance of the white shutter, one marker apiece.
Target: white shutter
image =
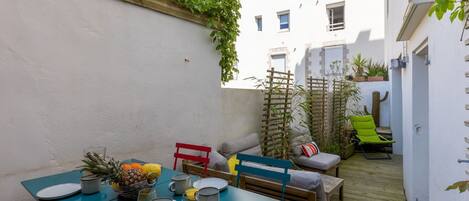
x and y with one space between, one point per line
279 62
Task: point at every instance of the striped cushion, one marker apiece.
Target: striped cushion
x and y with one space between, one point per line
310 149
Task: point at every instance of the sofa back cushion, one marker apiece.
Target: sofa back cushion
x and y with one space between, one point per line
238 145
298 138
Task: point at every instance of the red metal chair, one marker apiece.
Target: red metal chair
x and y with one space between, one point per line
204 160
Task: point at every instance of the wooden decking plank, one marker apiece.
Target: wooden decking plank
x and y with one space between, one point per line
372 180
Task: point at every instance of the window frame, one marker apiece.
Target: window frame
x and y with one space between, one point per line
258 20
283 13
333 26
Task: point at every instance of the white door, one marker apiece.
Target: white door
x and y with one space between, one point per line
420 137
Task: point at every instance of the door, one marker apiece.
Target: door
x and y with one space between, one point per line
420 122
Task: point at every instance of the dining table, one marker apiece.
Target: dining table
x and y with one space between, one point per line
106 193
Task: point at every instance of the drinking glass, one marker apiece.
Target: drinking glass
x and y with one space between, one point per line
147 194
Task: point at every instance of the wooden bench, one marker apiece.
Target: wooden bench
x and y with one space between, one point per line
332 185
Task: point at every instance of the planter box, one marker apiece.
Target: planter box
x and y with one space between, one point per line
359 79
348 151
376 78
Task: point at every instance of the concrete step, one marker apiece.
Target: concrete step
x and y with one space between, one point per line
466 123
467 90
466 42
466 58
467 107
467 74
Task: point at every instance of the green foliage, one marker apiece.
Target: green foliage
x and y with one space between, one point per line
456 8
359 65
222 16
462 186
376 69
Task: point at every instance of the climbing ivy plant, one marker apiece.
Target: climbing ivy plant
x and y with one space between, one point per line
440 7
222 16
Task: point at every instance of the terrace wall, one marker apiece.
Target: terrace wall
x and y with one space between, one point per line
83 72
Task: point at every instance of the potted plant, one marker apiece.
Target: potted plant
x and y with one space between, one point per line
376 71
127 179
359 66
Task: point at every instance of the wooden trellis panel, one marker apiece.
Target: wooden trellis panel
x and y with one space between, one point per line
277 114
339 106
318 96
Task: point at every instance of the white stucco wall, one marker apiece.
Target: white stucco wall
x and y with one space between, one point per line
446 103
366 90
82 72
364 33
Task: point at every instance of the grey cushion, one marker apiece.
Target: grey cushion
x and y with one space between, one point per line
257 151
297 139
218 162
321 161
302 179
240 144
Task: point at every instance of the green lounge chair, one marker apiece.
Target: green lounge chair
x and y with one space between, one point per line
366 135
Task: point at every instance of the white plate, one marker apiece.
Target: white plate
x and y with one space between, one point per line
58 191
211 182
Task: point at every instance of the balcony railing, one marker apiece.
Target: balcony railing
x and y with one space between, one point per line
336 26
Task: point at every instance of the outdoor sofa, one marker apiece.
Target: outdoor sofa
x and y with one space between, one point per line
303 186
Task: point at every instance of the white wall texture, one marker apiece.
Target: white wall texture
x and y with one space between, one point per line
446 101
82 72
366 90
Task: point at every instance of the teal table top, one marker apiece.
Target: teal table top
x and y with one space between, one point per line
107 194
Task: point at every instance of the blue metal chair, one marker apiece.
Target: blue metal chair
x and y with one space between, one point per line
269 174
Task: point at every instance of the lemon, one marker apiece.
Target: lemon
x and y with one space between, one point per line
152 169
115 186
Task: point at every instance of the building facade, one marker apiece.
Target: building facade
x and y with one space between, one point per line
306 37
428 98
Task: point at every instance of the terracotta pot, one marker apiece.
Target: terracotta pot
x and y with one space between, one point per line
359 79
375 78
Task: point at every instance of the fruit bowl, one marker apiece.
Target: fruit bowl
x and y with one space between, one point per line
131 192
127 179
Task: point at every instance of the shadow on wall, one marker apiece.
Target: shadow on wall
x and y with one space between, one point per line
314 62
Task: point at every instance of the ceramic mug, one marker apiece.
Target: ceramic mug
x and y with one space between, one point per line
208 194
90 184
180 183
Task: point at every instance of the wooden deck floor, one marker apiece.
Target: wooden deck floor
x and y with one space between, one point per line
372 180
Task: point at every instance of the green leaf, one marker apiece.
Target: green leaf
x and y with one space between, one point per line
462 14
462 186
453 16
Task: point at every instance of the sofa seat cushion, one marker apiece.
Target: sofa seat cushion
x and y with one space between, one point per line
321 161
298 178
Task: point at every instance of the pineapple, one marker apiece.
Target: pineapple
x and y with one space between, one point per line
100 167
131 177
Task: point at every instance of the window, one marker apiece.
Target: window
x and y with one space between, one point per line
336 16
284 19
333 60
278 62
259 23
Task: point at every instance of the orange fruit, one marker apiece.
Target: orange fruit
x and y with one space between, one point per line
126 167
136 166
